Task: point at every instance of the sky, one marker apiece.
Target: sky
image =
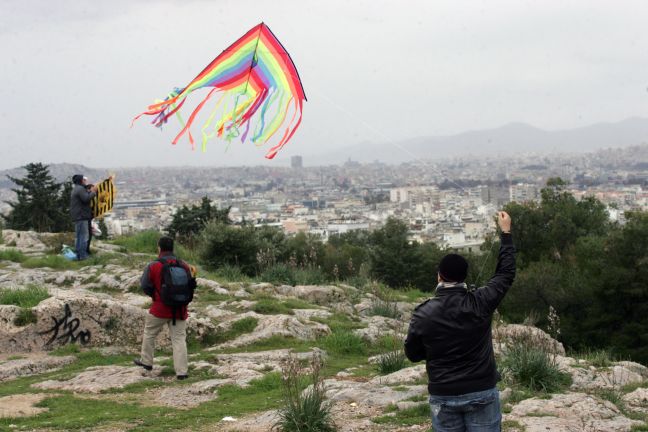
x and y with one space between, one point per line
74 73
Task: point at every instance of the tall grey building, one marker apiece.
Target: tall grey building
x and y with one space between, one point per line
296 162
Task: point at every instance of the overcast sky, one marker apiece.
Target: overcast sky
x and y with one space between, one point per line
74 73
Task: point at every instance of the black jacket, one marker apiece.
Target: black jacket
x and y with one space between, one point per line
452 332
80 203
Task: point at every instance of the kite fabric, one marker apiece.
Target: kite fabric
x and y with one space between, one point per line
260 91
102 203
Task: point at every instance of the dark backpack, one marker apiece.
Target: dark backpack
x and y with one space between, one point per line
177 285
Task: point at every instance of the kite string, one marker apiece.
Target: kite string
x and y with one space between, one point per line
389 139
395 144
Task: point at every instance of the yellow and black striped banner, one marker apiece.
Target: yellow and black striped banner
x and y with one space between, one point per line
103 202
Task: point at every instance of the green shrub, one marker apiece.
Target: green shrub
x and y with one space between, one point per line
535 369
344 342
143 242
388 309
310 276
303 410
56 262
26 298
14 255
25 316
230 273
279 274
391 362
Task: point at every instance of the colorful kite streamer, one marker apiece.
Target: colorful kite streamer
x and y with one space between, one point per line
259 85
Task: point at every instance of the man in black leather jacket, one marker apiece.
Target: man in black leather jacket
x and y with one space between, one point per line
452 333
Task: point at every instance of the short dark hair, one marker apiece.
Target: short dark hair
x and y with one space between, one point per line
453 268
165 244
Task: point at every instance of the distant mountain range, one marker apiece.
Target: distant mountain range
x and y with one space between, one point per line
513 138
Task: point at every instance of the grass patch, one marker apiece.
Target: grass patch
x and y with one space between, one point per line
269 306
408 417
599 358
344 342
143 242
56 262
14 255
384 308
25 317
29 297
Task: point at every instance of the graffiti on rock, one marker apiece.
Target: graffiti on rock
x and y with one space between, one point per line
65 329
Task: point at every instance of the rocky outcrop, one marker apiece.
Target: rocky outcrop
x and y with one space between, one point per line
32 365
277 325
570 412
86 318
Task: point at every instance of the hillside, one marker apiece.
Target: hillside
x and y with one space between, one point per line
69 332
506 140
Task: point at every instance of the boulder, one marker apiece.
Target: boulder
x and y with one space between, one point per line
321 295
505 335
378 327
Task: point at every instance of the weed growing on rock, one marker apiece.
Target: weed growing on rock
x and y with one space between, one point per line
304 410
25 317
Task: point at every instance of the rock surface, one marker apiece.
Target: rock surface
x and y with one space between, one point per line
32 365
98 378
570 412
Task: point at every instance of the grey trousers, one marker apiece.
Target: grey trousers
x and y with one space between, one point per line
178 334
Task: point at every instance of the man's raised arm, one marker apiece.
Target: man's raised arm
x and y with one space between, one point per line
492 294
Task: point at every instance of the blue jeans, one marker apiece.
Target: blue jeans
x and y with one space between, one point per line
82 234
470 412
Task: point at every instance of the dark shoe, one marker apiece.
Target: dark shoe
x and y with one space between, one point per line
182 377
138 362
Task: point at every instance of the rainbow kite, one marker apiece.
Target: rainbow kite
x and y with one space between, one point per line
259 86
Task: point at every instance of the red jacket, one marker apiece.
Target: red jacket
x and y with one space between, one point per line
151 282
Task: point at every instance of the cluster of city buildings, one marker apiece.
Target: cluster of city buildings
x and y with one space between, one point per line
450 203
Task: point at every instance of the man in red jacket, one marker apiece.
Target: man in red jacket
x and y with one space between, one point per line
161 314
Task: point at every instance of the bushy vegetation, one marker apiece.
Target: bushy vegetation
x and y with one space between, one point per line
304 410
529 363
570 256
12 255
41 203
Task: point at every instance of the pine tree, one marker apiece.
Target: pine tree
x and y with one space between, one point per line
41 203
